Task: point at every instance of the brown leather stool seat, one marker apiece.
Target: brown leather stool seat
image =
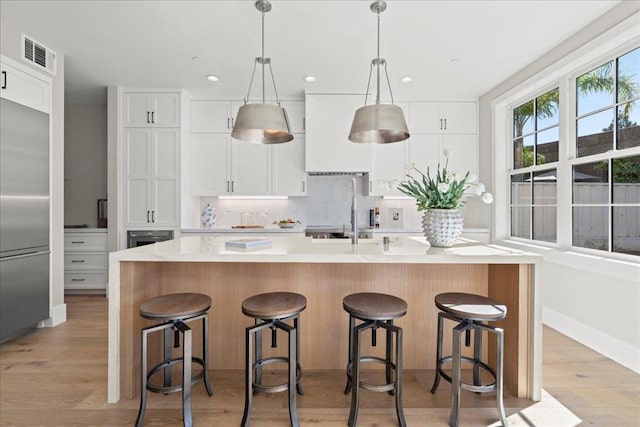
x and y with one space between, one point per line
272 311
374 310
470 312
174 311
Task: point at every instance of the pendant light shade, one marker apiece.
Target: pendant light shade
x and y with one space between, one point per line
379 123
262 123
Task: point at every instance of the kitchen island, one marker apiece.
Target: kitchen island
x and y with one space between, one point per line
325 271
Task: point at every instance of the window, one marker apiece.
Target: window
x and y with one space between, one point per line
605 178
536 136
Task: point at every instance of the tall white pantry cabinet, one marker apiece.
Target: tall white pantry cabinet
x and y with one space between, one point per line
150 159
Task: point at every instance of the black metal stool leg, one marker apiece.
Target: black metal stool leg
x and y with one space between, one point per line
436 381
352 325
477 355
167 355
296 326
186 373
455 375
143 382
355 375
398 391
389 349
205 353
293 357
248 385
258 352
499 376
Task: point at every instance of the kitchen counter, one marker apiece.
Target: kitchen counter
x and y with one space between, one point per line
325 271
268 229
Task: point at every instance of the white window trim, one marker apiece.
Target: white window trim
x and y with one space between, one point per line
616 41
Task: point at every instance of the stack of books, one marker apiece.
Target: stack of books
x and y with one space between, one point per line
248 244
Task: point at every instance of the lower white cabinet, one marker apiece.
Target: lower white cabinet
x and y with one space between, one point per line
86 261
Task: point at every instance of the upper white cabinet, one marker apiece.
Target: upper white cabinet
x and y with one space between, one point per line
443 117
24 87
151 109
288 176
426 150
151 176
328 122
221 165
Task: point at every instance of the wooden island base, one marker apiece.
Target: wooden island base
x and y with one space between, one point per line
324 324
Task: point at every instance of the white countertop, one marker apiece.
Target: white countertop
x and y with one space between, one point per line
268 229
85 230
299 249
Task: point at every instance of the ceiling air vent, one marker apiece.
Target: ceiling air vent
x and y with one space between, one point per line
38 54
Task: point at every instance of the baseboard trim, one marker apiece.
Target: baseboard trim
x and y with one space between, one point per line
58 316
613 348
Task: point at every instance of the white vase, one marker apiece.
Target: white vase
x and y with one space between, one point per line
442 226
208 217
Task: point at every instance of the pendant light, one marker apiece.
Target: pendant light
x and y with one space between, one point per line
378 123
262 123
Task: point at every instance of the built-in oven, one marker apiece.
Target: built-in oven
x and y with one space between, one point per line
147 237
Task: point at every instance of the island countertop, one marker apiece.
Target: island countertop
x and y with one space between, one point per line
299 249
325 271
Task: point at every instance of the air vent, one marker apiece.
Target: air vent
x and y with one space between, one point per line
38 54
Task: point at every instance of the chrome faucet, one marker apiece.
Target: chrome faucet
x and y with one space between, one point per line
354 214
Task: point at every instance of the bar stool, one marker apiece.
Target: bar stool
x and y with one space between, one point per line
375 311
272 311
470 311
175 310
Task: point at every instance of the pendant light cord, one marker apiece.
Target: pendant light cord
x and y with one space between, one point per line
263 89
377 62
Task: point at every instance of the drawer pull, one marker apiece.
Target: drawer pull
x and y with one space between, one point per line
77 280
78 241
77 260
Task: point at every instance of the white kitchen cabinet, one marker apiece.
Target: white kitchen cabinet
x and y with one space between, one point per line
151 177
389 161
328 123
426 150
212 116
443 117
24 87
288 175
85 259
221 165
140 109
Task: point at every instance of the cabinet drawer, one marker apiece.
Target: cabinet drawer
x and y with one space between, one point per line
86 279
85 261
92 242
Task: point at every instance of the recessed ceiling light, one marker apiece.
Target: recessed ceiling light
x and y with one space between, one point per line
309 79
212 78
195 58
455 59
406 79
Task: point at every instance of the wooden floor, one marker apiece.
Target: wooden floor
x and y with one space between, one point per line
57 377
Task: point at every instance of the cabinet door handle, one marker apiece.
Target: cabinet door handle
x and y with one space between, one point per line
77 260
148 117
228 125
304 123
232 190
227 186
303 186
77 280
4 80
153 120
153 216
78 241
232 122
148 212
440 124
445 124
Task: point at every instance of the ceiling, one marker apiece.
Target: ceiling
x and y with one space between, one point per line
451 49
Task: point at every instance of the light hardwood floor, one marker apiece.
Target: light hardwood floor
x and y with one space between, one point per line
57 377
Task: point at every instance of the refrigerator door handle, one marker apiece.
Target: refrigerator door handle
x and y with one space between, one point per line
27 255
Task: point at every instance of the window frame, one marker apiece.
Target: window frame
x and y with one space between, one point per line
561 74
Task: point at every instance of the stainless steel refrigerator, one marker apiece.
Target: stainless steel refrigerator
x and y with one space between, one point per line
24 218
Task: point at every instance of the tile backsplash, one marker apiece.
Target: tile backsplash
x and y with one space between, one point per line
328 202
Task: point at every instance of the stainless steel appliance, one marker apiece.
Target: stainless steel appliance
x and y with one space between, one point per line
24 218
147 237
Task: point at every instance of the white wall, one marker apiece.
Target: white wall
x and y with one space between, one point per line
10 43
592 299
85 167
